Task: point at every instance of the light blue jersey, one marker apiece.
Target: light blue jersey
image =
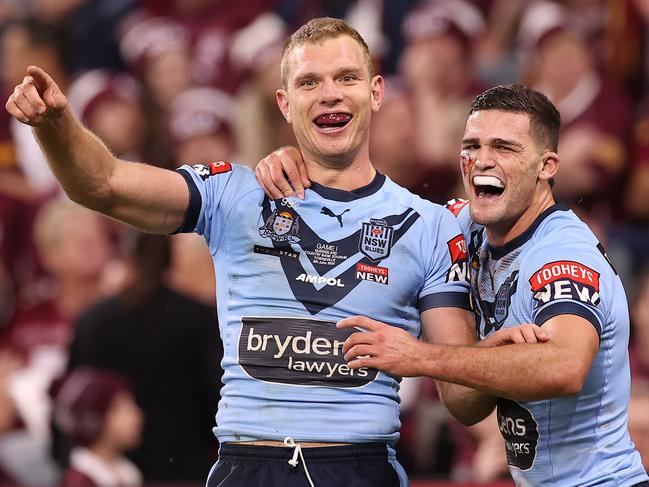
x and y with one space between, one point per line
558 267
288 270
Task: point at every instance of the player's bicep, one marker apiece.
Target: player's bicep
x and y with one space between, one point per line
576 338
149 198
446 325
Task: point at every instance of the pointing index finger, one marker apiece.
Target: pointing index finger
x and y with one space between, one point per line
41 79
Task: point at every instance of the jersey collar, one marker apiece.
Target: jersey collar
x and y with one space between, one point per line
499 252
342 195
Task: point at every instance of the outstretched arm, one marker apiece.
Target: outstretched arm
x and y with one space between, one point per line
147 197
520 371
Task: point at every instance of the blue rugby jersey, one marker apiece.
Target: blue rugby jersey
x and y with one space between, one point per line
558 267
288 270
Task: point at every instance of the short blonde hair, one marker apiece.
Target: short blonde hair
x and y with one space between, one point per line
317 31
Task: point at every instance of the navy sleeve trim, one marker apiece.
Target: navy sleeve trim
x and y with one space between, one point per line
194 206
567 308
444 300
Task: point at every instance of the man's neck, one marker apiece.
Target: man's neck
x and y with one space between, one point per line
355 175
500 235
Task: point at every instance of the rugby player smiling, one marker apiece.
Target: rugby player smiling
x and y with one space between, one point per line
328 96
503 167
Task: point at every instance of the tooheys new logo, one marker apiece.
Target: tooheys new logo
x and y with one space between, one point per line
459 270
298 351
565 279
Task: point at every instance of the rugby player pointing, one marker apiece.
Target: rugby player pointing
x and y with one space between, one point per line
562 406
292 410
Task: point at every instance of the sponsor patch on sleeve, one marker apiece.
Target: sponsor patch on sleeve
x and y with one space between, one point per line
565 279
455 205
211 169
459 260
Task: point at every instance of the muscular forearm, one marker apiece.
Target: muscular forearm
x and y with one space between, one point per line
521 372
79 160
144 196
456 327
468 406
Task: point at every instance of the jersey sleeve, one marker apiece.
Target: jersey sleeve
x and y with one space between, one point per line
567 279
213 189
446 283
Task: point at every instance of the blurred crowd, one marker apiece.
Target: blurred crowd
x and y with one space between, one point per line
102 327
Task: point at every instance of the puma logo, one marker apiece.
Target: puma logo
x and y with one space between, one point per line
328 212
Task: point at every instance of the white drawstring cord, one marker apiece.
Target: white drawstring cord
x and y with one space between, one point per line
297 452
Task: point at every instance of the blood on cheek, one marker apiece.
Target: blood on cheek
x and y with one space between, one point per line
468 160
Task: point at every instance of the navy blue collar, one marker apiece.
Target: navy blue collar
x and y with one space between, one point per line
342 195
499 252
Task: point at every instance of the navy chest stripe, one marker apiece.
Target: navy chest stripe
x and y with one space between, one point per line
316 300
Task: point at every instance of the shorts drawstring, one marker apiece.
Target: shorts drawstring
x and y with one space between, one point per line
297 452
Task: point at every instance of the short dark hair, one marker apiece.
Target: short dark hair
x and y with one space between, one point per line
545 120
317 31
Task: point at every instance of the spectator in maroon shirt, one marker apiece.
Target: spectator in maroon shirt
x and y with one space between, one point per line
96 410
595 114
436 66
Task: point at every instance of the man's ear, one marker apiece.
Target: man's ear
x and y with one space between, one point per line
378 90
282 102
549 166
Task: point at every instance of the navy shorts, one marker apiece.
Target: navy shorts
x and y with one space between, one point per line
362 465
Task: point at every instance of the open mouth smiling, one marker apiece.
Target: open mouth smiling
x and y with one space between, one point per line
331 122
488 187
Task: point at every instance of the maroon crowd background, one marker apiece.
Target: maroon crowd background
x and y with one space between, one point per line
187 81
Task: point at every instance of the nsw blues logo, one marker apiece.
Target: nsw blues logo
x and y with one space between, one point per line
376 239
281 226
496 312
